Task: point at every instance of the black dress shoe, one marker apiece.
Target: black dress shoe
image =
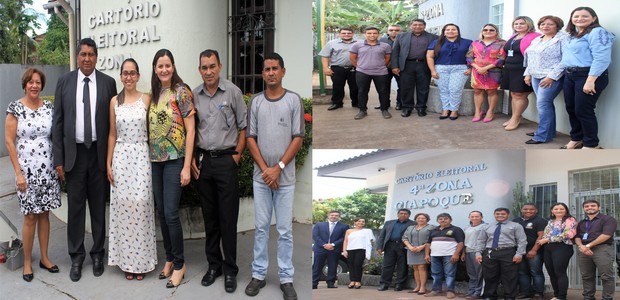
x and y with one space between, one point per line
28 277
530 133
52 269
97 266
334 106
331 286
210 277
398 288
533 142
382 288
76 272
314 287
398 107
421 112
230 283
406 112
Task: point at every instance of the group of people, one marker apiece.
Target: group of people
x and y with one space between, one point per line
502 251
575 61
141 149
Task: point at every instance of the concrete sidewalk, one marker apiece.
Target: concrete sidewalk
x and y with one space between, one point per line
113 285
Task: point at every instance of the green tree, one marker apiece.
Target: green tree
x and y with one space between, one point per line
361 203
15 23
362 13
54 50
520 198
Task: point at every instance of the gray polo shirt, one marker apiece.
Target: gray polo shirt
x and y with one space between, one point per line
419 44
511 235
274 123
219 116
338 52
371 58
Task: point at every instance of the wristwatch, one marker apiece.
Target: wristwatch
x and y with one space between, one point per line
282 165
588 246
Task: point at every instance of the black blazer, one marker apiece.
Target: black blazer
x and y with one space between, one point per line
63 128
400 48
384 236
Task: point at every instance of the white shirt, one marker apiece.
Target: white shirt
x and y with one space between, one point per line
361 239
79 106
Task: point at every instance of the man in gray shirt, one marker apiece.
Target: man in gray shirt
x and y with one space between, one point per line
336 63
504 245
389 38
220 139
275 134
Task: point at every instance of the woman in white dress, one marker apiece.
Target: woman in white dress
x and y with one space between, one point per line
132 225
357 247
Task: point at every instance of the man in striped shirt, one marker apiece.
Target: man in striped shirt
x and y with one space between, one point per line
443 251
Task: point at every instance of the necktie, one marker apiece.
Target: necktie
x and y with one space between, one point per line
88 131
498 230
331 228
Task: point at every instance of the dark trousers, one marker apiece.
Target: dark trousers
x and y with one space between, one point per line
218 189
340 77
415 77
356 264
86 182
167 195
498 266
390 76
580 106
394 257
382 85
332 264
557 257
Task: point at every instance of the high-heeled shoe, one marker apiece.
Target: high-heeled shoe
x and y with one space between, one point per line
358 286
170 284
28 277
352 285
513 126
477 119
163 274
488 119
52 269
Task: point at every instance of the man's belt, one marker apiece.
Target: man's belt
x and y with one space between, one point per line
417 59
218 153
577 69
502 248
346 68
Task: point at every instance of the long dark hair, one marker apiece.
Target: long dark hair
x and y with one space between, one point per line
155 82
566 216
572 29
442 38
120 98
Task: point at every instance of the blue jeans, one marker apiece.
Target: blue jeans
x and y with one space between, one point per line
451 83
266 201
441 267
546 109
531 277
167 194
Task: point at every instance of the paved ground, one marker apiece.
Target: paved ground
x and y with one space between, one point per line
112 284
338 129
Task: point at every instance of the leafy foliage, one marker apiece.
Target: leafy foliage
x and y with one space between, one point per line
54 50
520 198
359 14
15 22
361 203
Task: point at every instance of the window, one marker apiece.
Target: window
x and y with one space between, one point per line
544 195
252 34
497 16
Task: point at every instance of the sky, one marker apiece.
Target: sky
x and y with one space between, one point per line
327 187
37 5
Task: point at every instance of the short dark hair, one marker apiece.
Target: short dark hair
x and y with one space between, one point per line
428 218
590 201
334 212
274 56
405 210
529 204
502 209
558 22
371 28
209 53
28 76
359 218
418 20
346 29
444 215
88 42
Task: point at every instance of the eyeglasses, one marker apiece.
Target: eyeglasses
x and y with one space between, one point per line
489 30
393 29
129 74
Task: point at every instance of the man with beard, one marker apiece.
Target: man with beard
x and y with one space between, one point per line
328 238
337 64
389 38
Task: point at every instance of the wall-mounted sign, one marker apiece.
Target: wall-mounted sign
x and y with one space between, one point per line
130 18
433 12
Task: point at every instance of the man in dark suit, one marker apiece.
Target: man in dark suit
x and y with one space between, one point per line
328 238
409 62
390 244
80 143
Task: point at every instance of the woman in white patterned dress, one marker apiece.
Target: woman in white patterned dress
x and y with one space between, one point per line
28 131
132 226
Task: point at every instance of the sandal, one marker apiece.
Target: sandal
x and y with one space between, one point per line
352 285
358 286
573 145
140 276
128 276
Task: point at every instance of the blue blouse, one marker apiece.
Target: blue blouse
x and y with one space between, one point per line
451 53
591 50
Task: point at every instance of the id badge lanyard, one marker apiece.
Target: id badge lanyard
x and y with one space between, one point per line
511 51
588 225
